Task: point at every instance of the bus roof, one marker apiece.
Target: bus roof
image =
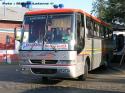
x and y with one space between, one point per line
63 10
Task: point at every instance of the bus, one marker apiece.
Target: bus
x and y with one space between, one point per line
63 43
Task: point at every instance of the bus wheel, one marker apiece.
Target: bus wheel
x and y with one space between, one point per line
84 76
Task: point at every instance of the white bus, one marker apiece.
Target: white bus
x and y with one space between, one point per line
64 43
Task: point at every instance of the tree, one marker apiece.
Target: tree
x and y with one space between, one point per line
111 11
99 8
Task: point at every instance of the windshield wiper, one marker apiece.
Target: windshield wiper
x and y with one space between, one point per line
53 47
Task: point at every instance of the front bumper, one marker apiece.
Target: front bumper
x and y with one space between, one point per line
63 71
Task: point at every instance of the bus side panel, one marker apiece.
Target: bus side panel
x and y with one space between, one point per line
96 52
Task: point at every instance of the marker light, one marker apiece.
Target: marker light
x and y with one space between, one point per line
61 5
55 6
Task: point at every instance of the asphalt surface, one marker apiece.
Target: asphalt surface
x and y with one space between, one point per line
110 80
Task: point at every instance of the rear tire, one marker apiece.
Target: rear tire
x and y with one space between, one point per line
84 76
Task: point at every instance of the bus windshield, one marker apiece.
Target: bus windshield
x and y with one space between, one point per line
47 32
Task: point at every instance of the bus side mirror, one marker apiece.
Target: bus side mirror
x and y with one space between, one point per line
7 39
16 34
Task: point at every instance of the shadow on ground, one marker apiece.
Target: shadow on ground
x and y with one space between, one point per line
59 89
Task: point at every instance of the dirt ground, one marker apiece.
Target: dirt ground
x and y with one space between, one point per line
109 80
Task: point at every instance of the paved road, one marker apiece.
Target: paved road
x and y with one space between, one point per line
99 81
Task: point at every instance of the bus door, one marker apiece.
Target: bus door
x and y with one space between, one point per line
80 33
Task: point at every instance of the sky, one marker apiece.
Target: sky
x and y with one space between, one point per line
85 5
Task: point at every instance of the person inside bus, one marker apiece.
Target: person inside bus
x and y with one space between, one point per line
57 34
67 35
50 35
60 30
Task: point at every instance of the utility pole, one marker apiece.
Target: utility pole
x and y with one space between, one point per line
4 9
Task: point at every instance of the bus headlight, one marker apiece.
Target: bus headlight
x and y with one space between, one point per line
64 70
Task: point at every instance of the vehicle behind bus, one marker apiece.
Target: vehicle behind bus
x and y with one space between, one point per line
119 44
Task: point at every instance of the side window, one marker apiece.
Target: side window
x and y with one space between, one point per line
101 32
80 25
95 29
82 20
110 33
89 25
106 33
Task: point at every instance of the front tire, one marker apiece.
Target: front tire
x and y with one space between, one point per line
84 76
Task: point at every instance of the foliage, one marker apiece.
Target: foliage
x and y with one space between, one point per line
99 8
111 11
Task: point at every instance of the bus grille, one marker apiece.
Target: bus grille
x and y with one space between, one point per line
43 71
44 61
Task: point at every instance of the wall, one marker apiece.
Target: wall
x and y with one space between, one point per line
8 53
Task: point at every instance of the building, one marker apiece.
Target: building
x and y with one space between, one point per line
10 17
